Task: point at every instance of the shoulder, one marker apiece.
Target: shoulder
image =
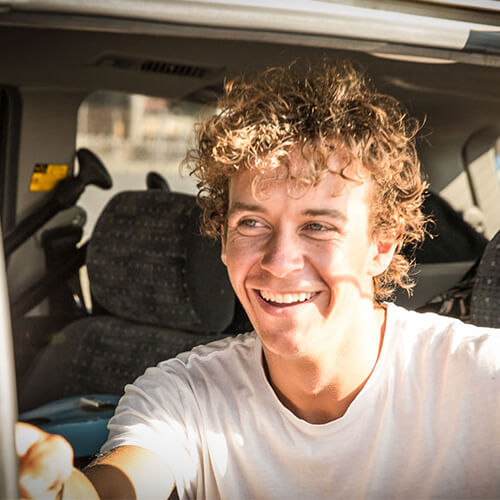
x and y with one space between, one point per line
175 394
430 325
228 346
237 349
218 359
440 337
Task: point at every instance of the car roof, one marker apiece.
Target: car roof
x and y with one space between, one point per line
440 59
401 26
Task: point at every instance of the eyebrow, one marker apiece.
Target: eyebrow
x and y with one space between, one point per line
329 212
239 206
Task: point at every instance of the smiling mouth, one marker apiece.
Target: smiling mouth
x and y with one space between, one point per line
286 298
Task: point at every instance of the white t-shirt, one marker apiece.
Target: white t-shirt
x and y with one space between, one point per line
426 424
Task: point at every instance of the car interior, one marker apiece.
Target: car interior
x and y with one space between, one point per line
107 272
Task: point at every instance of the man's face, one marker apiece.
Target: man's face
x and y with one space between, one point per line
301 266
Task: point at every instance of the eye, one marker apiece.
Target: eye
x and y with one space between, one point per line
318 230
248 223
316 226
250 226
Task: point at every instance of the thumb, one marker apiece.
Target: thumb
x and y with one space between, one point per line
45 462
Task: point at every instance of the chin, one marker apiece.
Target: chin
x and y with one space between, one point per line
283 342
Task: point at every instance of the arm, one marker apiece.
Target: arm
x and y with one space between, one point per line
130 472
46 463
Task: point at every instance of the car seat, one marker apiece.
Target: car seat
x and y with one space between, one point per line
485 301
476 297
160 288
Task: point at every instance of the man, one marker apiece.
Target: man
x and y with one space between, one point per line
312 182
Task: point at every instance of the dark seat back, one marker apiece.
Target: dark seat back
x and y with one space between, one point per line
162 286
485 301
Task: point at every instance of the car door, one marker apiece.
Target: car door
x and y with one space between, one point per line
8 402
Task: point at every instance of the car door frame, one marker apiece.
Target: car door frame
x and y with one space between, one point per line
8 399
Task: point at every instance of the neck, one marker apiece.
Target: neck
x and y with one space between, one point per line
320 387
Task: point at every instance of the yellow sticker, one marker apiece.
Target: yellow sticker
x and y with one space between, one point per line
45 176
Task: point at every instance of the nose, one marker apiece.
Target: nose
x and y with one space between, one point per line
283 254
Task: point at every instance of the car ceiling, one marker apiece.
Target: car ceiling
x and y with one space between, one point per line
81 54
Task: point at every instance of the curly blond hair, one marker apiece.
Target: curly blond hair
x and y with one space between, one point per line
318 109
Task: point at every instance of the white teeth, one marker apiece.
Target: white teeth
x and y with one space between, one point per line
286 298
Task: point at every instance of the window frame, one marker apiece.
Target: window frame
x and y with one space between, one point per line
10 126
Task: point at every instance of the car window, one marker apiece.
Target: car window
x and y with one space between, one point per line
481 162
459 195
134 135
484 177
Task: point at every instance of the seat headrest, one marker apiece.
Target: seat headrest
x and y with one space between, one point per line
485 301
147 262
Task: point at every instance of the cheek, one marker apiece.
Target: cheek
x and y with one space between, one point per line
223 256
239 247
239 257
328 258
361 252
346 262
236 276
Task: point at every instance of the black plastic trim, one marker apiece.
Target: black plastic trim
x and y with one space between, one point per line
486 42
10 127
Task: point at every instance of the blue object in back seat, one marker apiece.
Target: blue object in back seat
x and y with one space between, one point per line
82 420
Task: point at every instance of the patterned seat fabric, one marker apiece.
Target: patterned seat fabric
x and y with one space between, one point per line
163 285
485 302
148 263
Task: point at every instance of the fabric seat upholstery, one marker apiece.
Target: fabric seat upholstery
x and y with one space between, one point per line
163 289
485 301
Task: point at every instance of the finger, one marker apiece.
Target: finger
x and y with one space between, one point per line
45 466
26 436
34 490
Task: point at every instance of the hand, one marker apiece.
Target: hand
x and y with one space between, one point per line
45 462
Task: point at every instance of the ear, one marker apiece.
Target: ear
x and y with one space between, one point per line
223 245
382 256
